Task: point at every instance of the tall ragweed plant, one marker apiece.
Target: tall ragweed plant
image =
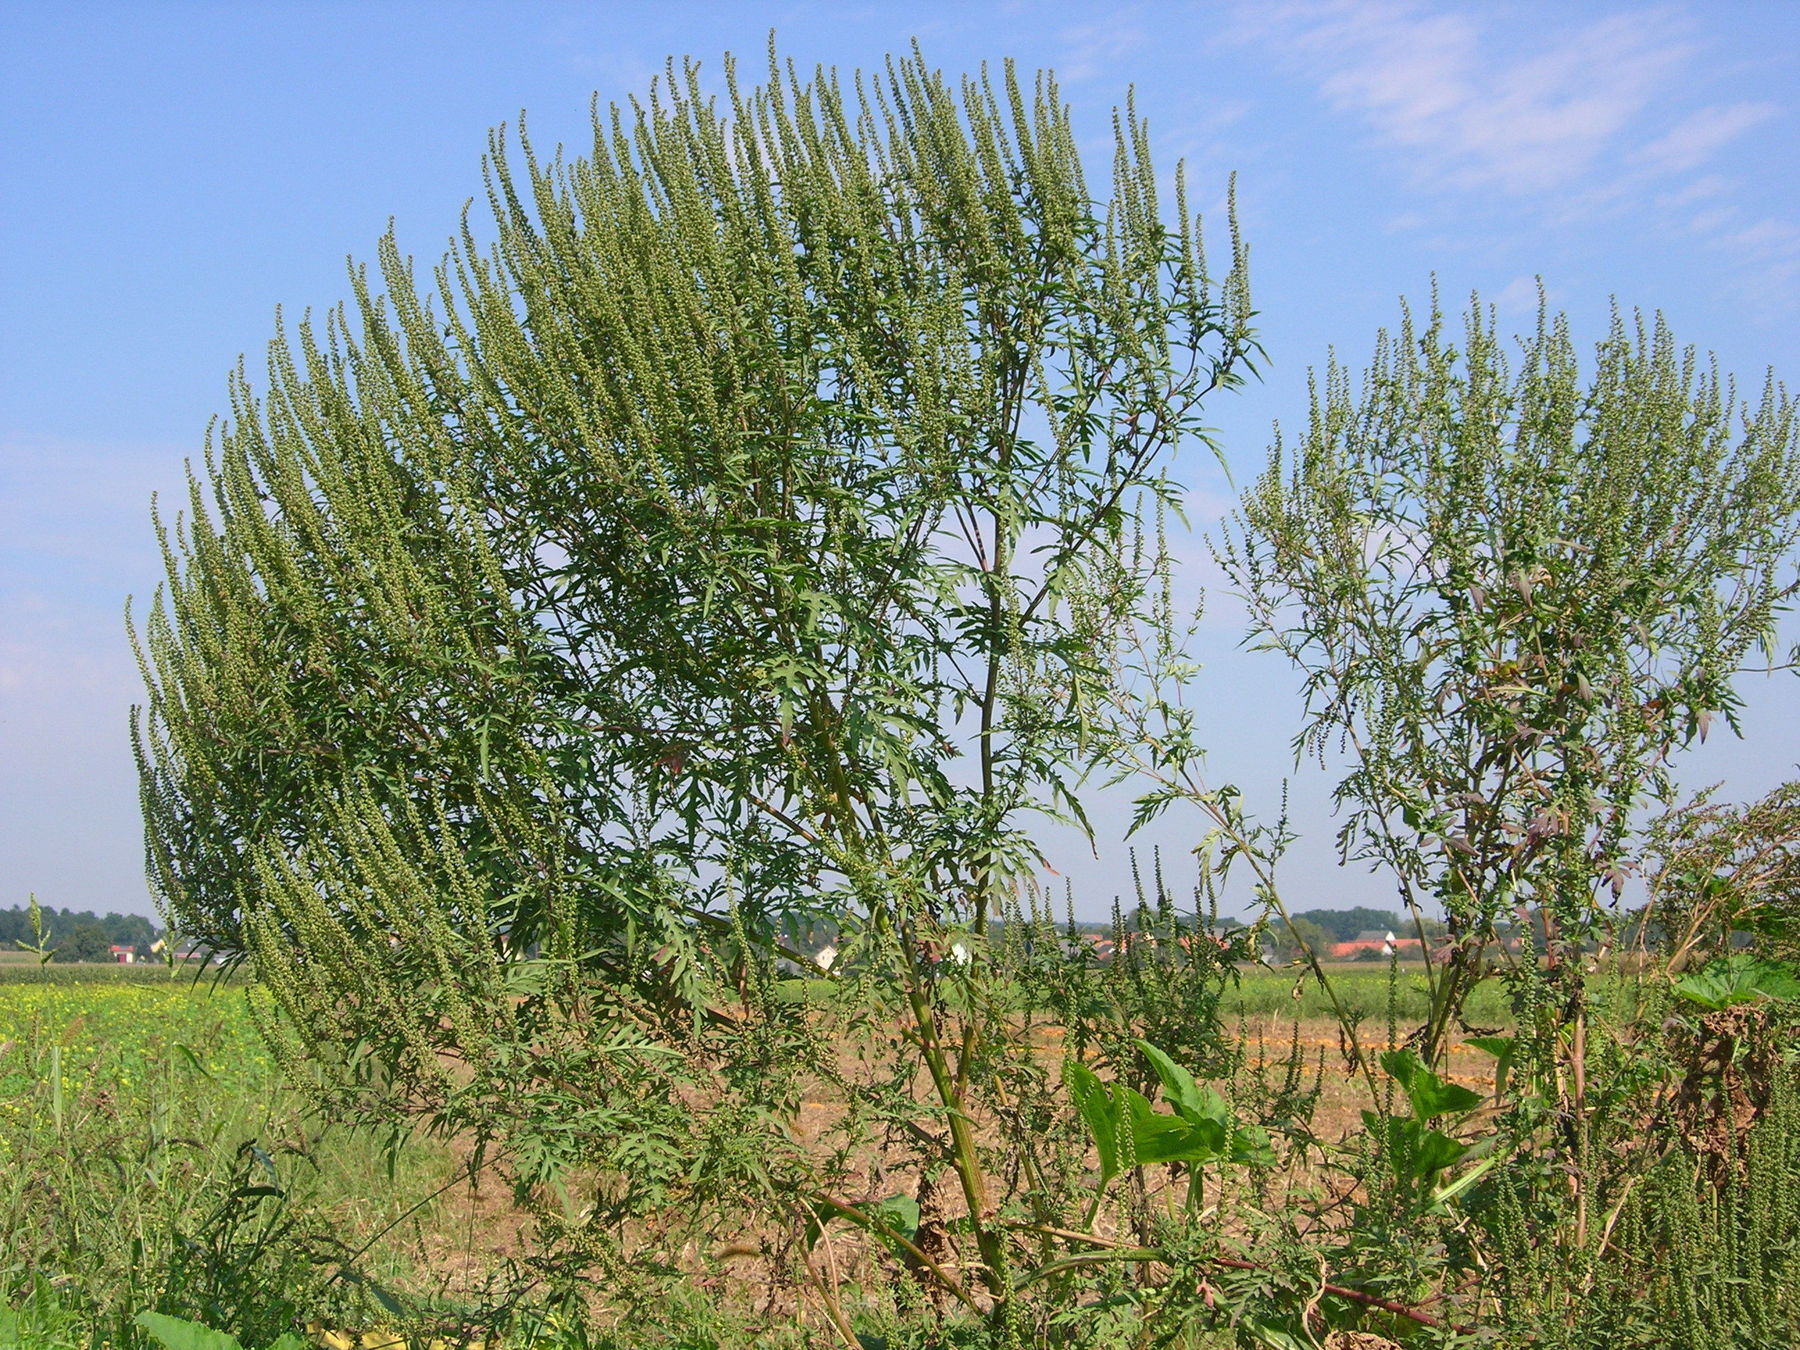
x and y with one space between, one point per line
1515 593
731 537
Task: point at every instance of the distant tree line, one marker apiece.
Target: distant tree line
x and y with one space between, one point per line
1345 924
76 934
1321 929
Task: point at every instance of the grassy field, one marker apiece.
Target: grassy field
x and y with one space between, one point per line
1364 987
152 1157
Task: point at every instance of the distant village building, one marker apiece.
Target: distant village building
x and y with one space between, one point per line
1372 942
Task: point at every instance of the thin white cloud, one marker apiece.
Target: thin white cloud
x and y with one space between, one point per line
1406 222
1712 220
1701 135
1767 238
1518 297
1584 118
1771 248
1432 83
1098 47
1767 251
1700 189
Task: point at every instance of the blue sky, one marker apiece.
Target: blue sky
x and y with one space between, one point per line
174 172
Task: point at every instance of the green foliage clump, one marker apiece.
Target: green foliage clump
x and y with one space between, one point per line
1515 593
1700 1205
1344 924
1725 874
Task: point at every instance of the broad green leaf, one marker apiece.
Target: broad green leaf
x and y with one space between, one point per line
1271 1338
1163 1138
899 1212
1095 1103
1427 1093
822 1214
1502 1048
177 1333
1415 1151
1433 1151
1250 1147
1441 1198
1190 1100
1727 981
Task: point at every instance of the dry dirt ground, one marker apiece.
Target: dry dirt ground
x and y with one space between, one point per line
477 1228
1344 1094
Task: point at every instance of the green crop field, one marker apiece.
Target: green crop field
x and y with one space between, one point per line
151 1156
115 1035
31 971
1364 989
